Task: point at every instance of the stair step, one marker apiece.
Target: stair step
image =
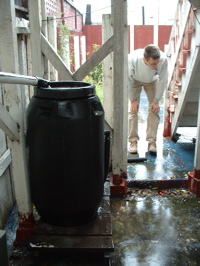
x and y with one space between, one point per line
188 121
175 97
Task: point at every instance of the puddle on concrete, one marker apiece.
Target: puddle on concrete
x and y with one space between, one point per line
173 160
153 229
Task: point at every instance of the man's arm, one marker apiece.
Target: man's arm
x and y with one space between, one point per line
163 74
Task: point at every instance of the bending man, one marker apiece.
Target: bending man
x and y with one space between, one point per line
148 69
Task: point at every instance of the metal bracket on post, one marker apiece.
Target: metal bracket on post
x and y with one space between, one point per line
26 228
118 186
194 182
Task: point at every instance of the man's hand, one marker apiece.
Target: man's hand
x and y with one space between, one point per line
134 106
155 107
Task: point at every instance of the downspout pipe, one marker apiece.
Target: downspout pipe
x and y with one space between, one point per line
10 78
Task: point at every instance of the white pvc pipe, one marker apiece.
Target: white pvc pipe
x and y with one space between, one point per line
17 79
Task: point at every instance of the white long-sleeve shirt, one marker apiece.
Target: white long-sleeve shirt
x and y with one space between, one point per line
138 70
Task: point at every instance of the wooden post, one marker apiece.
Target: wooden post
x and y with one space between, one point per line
194 177
120 115
197 149
45 32
156 23
52 36
35 36
132 37
76 52
83 49
13 102
107 31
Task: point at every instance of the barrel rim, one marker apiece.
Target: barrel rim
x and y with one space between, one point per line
65 90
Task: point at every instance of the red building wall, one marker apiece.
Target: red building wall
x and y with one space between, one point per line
68 15
143 35
163 36
93 35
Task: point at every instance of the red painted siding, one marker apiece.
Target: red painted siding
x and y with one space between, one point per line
163 36
143 36
93 35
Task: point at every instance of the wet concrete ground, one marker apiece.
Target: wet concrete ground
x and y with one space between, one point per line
156 230
158 227
151 227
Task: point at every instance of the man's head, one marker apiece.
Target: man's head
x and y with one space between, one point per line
151 56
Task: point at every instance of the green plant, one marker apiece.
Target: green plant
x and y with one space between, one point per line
64 36
95 76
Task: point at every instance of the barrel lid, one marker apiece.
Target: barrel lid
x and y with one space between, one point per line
65 90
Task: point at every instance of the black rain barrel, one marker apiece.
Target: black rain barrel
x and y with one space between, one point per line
65 143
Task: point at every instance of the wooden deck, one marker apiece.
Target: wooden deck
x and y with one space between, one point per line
92 237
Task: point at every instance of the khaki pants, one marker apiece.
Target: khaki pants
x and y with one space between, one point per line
152 119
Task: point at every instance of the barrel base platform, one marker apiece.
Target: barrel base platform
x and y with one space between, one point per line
93 238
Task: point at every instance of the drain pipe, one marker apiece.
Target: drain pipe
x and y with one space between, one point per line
10 78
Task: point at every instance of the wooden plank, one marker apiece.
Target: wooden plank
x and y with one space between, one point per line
52 37
188 121
76 52
55 59
93 236
94 60
181 28
186 87
119 151
8 124
5 161
197 147
67 243
35 27
108 72
83 49
12 101
191 108
100 225
45 32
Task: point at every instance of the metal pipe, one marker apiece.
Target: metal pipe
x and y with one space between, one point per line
10 78
132 160
143 16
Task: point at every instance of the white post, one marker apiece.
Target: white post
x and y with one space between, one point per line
76 52
120 97
52 37
156 23
83 49
45 32
197 148
13 102
132 37
35 37
107 31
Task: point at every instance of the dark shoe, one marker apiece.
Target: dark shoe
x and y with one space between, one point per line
152 147
133 147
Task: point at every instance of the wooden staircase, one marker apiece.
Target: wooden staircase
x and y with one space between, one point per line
182 97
